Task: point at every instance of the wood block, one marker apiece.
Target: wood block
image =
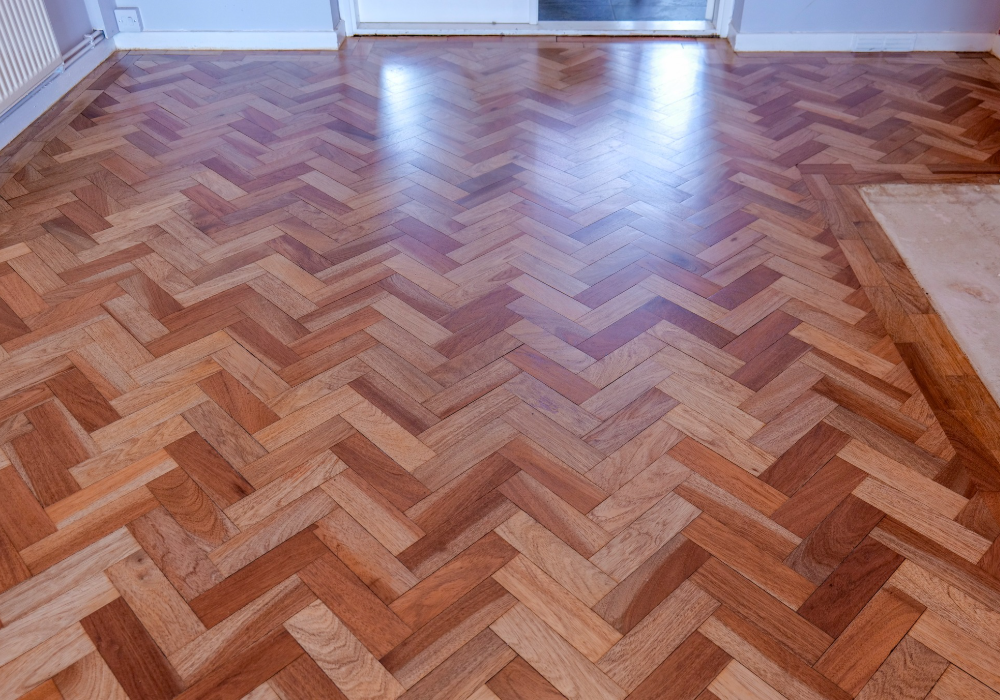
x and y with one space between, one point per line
246 670
563 481
49 451
374 624
685 673
559 517
646 587
342 657
87 530
238 401
910 672
429 646
175 553
519 681
297 423
736 515
556 558
432 595
380 471
45 621
567 615
161 610
630 548
291 455
402 447
930 493
250 623
767 612
191 507
909 511
767 659
956 683
763 569
556 660
868 640
374 512
650 642
82 399
396 403
736 681
209 470
44 661
638 453
219 602
365 556
835 604
130 653
22 518
285 489
817 498
303 679
88 677
835 537
263 536
466 669
224 434
807 456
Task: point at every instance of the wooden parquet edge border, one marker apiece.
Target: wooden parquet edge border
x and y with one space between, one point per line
961 402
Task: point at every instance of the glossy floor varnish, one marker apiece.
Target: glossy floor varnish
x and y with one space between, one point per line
471 369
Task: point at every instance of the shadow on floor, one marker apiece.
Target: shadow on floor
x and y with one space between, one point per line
620 10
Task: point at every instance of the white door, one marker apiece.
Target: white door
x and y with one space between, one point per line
445 11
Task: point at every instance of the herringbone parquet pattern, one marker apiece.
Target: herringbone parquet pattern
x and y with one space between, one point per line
488 369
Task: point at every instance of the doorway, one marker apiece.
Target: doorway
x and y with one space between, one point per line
623 10
537 17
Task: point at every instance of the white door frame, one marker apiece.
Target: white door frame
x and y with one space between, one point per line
719 27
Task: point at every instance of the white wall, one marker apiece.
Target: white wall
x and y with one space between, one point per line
70 21
236 15
866 16
102 15
445 11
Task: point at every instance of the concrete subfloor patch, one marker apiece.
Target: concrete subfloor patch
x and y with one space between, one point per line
949 237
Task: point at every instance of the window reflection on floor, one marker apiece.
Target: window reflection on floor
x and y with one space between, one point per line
620 10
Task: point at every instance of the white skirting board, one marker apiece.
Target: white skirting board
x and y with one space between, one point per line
937 41
232 41
51 91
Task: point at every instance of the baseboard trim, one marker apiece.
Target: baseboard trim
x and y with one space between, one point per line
805 41
52 90
232 41
996 46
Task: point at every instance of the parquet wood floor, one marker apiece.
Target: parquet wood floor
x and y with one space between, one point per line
472 369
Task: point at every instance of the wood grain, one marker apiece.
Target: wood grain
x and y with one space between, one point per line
491 374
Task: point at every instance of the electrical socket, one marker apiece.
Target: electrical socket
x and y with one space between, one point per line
128 19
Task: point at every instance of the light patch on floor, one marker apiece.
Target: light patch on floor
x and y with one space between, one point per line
949 236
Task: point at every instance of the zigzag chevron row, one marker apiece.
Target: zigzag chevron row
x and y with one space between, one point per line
490 369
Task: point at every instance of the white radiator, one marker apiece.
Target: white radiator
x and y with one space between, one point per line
28 51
